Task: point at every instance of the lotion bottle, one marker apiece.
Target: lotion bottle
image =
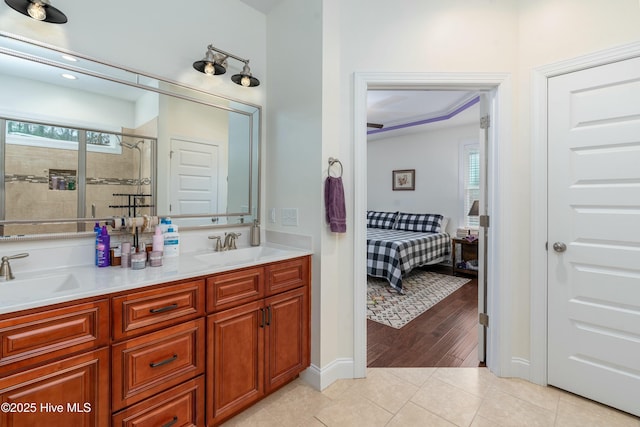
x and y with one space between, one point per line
171 242
158 241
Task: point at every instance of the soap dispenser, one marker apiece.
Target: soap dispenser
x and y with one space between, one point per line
255 233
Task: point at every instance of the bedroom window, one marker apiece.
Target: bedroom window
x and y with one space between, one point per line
471 182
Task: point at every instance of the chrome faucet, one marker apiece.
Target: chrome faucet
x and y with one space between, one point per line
230 240
5 267
218 242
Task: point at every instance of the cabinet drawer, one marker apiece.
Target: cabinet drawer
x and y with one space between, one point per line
235 288
179 406
287 275
156 361
37 337
75 386
144 311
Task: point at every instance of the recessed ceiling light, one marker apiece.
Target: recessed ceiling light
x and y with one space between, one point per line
69 76
69 58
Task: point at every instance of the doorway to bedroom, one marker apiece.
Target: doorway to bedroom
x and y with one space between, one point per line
423 177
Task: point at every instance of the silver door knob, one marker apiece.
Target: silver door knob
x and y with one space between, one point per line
559 247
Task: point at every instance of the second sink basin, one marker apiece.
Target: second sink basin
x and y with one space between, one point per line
240 256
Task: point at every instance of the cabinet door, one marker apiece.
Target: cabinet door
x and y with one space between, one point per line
235 357
287 340
69 392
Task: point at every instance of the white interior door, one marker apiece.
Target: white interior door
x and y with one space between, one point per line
594 233
194 178
483 234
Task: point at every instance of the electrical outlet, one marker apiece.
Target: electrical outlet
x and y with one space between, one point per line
290 216
272 215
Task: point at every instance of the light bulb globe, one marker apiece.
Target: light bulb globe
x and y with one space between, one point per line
36 11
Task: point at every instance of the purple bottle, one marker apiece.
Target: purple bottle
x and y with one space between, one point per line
103 248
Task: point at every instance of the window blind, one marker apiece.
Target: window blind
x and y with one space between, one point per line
471 185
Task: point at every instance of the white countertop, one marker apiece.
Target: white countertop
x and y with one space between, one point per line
46 287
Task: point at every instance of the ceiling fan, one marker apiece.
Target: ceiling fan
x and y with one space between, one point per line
375 125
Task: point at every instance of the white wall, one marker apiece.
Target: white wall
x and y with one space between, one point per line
294 140
502 36
435 156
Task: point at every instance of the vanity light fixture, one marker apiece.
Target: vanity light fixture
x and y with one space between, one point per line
215 62
40 10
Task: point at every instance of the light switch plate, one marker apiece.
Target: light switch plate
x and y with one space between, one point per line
290 216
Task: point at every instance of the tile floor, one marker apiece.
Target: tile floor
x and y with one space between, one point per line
429 397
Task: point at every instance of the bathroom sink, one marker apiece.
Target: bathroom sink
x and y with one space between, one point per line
41 286
240 256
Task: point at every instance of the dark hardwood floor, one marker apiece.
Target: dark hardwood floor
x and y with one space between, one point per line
446 335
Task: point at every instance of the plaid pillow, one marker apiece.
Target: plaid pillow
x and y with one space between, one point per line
383 220
419 222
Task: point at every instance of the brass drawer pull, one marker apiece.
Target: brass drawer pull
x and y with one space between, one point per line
163 309
170 423
164 362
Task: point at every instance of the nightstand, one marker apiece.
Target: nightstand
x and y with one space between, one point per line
468 251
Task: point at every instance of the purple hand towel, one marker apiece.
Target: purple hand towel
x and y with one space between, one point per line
334 204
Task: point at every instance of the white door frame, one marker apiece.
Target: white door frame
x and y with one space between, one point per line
539 206
499 358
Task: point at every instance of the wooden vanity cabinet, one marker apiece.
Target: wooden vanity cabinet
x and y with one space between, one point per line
158 356
54 366
256 347
187 353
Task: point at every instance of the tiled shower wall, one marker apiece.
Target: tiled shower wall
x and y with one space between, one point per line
28 195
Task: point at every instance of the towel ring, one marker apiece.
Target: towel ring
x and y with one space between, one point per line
333 161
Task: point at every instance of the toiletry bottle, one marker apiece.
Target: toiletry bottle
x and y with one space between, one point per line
164 225
171 242
125 261
97 230
103 248
255 233
158 240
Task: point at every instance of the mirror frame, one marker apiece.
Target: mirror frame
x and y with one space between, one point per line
139 79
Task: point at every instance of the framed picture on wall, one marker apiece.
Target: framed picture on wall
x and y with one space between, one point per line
404 179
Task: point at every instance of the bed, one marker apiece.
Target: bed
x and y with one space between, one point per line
397 242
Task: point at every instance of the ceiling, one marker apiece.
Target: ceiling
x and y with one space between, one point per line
410 111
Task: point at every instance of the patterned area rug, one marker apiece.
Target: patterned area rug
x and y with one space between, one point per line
424 289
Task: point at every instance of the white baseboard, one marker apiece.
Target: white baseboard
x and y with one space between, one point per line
323 378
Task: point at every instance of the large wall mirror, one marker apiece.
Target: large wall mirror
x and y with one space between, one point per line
81 141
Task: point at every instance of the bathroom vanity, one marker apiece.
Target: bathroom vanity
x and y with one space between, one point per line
193 342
